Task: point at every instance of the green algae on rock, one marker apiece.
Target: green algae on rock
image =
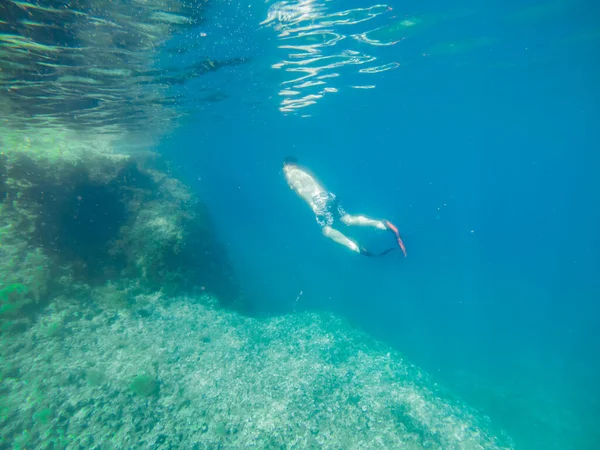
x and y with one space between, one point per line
145 385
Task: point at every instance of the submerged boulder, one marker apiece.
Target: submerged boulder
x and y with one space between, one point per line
101 220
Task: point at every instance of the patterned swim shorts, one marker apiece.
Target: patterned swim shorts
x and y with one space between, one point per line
328 208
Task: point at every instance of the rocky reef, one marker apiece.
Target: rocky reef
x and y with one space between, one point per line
191 375
105 224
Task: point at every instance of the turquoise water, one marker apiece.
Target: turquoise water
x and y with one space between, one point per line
135 316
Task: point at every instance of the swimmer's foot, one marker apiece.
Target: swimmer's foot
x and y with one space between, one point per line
390 226
365 252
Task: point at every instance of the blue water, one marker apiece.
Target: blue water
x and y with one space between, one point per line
481 146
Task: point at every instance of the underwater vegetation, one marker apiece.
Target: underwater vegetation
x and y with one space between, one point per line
11 298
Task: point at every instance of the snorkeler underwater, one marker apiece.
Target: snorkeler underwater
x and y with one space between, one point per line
328 209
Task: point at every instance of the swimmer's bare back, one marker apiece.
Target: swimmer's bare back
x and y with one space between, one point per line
305 185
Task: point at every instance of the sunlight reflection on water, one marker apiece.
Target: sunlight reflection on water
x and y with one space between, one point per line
319 43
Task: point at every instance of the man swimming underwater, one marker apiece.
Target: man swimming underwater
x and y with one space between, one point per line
328 209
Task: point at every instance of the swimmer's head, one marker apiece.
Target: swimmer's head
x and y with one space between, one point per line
290 161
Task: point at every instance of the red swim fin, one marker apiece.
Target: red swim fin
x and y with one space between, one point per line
390 226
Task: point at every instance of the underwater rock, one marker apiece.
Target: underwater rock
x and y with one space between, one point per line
264 383
103 222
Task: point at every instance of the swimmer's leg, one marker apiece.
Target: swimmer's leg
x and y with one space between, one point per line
362 221
338 237
380 224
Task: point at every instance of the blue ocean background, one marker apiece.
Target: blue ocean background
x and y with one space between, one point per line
481 147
